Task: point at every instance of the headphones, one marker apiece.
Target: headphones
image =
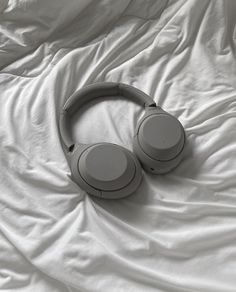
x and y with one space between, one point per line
110 171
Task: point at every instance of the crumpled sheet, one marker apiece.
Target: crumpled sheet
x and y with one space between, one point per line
178 231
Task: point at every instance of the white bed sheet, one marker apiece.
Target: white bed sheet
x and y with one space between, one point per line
178 231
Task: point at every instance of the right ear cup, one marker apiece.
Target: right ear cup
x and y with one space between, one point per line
105 170
159 141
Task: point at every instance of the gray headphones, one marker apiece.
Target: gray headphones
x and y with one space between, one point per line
108 170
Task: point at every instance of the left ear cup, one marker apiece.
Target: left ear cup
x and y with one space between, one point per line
106 170
159 141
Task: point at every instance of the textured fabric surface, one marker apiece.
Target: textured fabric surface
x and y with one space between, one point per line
178 231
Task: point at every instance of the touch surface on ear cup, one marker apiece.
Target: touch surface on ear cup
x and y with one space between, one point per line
106 170
159 141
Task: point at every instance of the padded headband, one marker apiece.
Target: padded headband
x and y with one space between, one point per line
91 92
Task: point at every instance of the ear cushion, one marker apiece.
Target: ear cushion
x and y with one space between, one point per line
159 142
106 170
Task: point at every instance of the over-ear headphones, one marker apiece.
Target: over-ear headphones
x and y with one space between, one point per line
108 170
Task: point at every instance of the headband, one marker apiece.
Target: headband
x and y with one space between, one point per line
91 92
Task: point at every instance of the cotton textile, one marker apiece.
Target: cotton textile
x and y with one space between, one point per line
177 232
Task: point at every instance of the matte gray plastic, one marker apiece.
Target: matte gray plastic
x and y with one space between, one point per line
110 171
161 136
123 187
106 167
65 132
155 166
93 91
103 89
159 157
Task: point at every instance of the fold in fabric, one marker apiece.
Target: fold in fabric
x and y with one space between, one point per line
177 232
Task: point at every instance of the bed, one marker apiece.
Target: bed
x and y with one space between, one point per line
177 232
